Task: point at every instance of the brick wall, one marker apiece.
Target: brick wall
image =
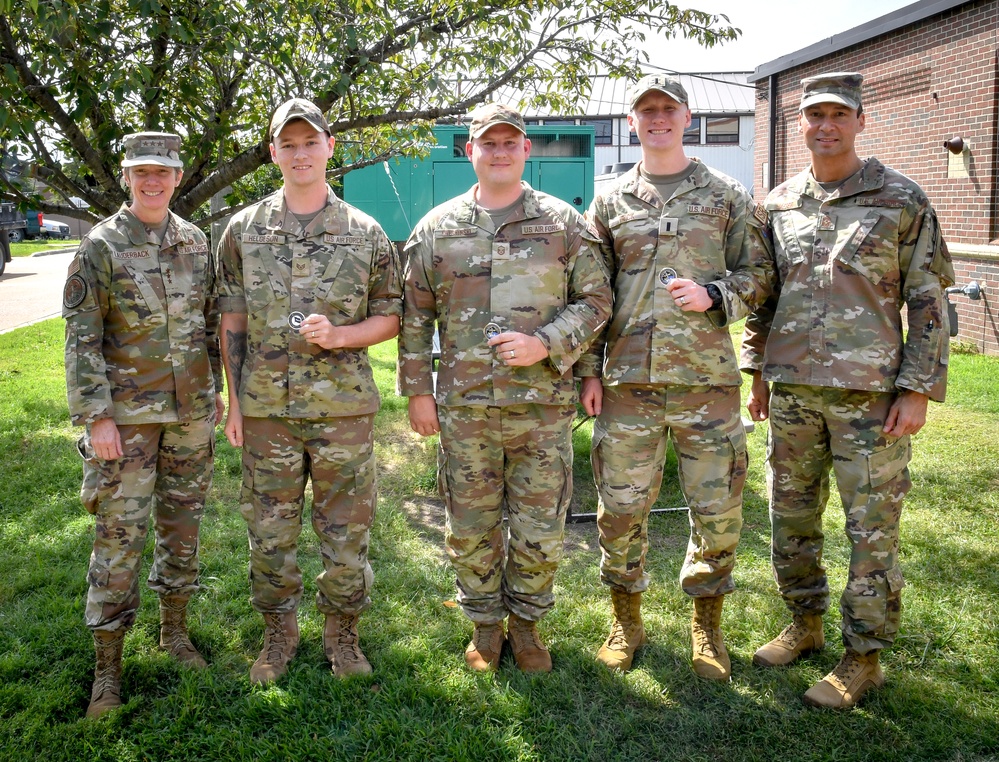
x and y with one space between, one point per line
923 84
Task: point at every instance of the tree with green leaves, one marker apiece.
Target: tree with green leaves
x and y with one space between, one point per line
77 75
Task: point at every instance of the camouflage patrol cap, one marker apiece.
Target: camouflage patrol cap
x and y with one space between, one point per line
162 148
660 82
836 87
297 108
491 114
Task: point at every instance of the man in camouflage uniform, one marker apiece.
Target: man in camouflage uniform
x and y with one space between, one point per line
686 251
142 370
511 279
854 241
307 283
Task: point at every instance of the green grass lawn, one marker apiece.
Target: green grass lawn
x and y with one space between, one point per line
941 701
27 248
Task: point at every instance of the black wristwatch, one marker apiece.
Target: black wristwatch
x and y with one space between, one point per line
716 296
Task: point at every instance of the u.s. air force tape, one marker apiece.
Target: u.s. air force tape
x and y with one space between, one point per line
75 291
295 320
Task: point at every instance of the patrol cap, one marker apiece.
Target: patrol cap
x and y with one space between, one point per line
491 114
297 108
837 87
162 148
668 85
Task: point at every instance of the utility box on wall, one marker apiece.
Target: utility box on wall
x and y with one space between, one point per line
400 191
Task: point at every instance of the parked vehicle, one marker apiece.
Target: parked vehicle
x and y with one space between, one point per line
54 229
12 226
13 222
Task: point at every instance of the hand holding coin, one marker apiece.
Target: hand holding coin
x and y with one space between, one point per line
315 329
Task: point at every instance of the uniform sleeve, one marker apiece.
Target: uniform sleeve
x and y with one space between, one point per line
591 362
749 258
385 282
213 319
589 300
230 271
928 271
414 374
85 305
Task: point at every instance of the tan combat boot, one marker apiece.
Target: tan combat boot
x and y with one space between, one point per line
627 631
528 650
280 644
342 646
483 652
173 631
106 693
800 638
710 659
848 682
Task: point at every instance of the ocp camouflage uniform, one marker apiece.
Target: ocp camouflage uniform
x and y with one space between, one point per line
505 431
672 374
831 340
307 411
142 348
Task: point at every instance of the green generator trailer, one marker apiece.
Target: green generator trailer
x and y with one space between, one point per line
398 192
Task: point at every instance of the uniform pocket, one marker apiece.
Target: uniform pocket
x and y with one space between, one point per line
884 465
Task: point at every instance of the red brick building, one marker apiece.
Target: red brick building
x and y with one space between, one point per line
931 73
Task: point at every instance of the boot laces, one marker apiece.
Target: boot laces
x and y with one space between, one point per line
275 641
347 639
847 670
105 682
484 637
794 633
618 638
704 638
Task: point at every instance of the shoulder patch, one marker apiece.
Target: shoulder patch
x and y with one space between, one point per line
74 266
75 291
760 213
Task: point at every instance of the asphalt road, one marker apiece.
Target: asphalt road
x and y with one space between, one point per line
31 288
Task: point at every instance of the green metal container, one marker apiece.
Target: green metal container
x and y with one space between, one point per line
400 191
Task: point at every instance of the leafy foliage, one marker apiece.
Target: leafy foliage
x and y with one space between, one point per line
77 75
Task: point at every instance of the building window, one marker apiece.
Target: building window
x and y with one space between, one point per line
559 122
633 138
721 129
603 130
692 134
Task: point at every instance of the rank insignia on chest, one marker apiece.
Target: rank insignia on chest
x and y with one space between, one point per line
826 222
669 225
501 250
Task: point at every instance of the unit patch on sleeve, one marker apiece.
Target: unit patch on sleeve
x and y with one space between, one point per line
75 291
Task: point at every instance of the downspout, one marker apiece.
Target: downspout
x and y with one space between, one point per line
772 135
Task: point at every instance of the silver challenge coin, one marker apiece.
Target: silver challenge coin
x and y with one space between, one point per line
666 275
491 330
295 320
